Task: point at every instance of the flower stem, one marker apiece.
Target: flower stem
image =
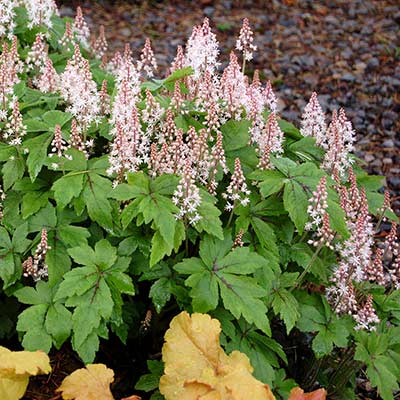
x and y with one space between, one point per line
307 268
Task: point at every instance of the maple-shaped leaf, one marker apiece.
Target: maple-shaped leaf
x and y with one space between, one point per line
90 383
15 369
197 367
298 394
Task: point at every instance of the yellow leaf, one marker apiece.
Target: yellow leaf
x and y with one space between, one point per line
196 367
90 383
15 369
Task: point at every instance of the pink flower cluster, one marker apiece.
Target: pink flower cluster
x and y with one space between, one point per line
360 259
79 90
7 14
318 211
337 139
40 12
36 266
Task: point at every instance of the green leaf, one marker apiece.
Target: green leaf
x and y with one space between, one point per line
8 270
12 170
83 255
271 181
209 221
235 134
190 266
160 293
337 219
204 291
239 293
128 246
265 234
105 254
285 304
58 262
37 153
159 248
31 321
122 282
84 321
33 202
35 125
306 149
240 296
44 218
77 282
58 323
19 241
289 129
179 74
283 164
5 241
151 381
67 187
165 184
303 254
41 295
140 182
37 339
56 117
295 202
381 375
95 195
240 261
87 350
130 212
73 236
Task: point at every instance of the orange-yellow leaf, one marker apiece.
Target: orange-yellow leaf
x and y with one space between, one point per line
15 369
298 394
196 367
90 383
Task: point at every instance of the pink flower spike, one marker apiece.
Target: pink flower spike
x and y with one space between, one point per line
237 191
14 129
36 267
147 61
81 28
270 98
366 316
59 145
313 121
179 61
202 50
37 56
245 41
48 82
68 37
187 196
318 211
100 45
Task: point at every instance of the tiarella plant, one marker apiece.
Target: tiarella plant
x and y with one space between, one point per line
124 197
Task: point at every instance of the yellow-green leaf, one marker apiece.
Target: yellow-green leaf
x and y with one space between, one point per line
196 366
15 369
90 383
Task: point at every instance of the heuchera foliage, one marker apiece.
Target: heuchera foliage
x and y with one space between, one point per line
125 200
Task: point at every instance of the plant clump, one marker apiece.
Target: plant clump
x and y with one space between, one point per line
126 200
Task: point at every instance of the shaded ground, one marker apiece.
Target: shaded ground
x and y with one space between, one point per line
347 51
